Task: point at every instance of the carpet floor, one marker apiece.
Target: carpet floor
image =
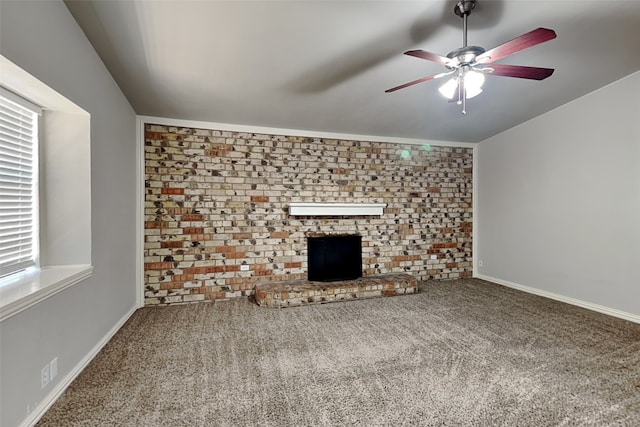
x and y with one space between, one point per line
459 353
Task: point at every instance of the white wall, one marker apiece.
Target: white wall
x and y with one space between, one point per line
43 39
559 202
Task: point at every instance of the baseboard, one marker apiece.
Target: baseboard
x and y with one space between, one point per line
57 391
584 304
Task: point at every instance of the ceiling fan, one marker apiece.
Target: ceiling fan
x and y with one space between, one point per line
469 63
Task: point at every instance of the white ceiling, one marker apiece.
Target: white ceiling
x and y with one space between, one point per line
324 65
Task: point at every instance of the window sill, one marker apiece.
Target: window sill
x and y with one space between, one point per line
28 288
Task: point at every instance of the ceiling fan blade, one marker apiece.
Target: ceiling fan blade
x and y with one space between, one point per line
415 82
423 54
532 38
519 71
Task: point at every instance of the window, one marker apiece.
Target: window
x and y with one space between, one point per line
18 183
61 248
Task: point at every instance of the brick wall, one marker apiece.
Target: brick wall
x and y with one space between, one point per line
216 200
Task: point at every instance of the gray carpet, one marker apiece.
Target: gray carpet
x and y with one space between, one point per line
459 353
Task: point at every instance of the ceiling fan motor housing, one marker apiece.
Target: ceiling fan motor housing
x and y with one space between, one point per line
464 56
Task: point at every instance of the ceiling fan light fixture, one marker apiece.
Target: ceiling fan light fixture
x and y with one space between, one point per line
468 62
473 82
448 89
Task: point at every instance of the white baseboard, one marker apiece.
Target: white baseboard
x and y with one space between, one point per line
584 304
57 391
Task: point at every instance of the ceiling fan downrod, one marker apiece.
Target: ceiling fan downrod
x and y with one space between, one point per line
463 9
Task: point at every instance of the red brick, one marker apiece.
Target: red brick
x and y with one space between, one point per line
171 285
158 265
172 244
192 230
234 255
192 217
173 191
153 135
292 264
263 272
182 277
155 224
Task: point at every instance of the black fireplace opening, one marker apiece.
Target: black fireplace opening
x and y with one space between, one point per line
334 257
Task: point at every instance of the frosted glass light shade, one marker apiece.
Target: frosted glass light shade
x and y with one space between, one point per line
449 88
473 82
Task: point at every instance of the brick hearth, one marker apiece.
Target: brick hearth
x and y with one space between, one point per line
303 292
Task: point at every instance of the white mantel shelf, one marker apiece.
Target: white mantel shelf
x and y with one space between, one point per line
336 209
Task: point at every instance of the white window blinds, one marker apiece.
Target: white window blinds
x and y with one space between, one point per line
18 183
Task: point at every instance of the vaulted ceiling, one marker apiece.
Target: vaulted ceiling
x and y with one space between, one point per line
324 65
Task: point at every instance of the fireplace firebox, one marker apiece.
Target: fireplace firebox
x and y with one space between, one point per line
334 257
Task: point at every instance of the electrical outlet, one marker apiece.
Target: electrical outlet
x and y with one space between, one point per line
480 263
44 376
434 256
53 369
244 267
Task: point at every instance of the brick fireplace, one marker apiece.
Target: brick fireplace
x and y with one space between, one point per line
217 221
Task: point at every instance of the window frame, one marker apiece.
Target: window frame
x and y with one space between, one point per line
34 260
